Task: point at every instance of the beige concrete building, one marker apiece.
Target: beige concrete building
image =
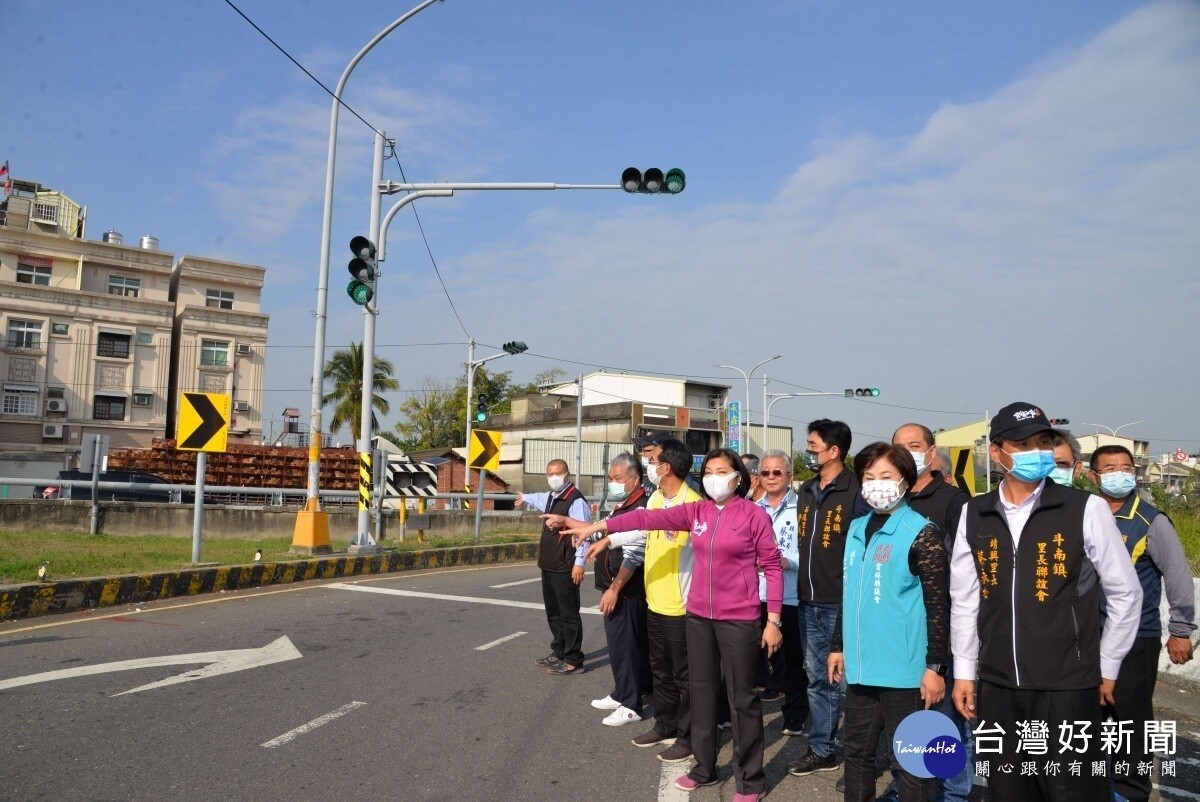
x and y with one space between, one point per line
220 339
100 336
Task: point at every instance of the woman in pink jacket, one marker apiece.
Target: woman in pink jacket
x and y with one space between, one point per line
731 539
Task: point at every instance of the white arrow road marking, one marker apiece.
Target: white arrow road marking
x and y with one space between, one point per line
225 662
498 641
518 582
446 597
292 735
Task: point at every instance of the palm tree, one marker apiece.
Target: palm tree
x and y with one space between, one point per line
345 369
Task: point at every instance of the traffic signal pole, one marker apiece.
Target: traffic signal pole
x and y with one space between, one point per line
311 534
363 541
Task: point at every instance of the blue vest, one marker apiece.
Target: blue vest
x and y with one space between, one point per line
884 634
1133 519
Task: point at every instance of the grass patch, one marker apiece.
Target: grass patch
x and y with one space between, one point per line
1188 527
74 555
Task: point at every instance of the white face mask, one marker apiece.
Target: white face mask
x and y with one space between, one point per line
556 481
720 487
882 494
919 458
652 473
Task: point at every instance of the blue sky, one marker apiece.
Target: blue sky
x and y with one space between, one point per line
963 204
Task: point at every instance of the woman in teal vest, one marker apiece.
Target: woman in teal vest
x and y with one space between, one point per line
891 641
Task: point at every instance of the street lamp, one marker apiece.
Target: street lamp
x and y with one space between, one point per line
746 375
311 534
1113 432
779 397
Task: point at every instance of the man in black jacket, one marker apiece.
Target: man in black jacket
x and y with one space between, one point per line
825 508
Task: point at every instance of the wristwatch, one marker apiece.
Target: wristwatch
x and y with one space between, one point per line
941 669
774 623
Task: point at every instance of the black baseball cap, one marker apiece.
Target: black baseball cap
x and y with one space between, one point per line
1018 421
651 439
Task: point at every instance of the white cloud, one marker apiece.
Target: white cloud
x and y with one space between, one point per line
1020 219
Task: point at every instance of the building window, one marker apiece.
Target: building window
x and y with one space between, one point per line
113 345
32 274
214 353
219 299
108 407
59 329
124 285
20 401
24 334
145 338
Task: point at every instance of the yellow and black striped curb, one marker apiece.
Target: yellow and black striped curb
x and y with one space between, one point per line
74 595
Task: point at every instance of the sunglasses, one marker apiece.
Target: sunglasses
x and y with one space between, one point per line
775 472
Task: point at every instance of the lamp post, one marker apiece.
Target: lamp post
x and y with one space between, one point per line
746 375
1113 432
472 364
779 397
312 524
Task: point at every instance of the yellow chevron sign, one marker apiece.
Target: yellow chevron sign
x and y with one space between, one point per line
203 422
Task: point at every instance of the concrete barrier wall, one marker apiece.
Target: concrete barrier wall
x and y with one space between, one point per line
227 521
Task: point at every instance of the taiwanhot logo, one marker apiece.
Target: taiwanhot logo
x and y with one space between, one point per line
927 745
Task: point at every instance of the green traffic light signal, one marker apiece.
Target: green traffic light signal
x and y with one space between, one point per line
363 271
653 181
481 410
514 347
862 392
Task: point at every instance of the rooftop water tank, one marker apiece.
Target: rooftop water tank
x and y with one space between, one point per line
149 243
113 237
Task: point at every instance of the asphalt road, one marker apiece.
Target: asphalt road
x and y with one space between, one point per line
372 688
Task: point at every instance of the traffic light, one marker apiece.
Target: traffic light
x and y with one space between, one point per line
1059 421
653 181
514 347
862 392
481 409
363 270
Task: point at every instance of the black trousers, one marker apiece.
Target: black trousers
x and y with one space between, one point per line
733 645
872 715
998 705
625 630
561 597
667 642
1134 698
784 670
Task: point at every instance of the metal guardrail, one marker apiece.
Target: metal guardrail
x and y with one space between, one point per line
176 491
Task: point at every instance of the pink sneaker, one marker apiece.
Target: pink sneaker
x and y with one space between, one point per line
686 783
745 797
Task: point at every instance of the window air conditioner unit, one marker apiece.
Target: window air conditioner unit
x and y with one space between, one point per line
52 431
243 350
714 402
142 399
241 406
56 405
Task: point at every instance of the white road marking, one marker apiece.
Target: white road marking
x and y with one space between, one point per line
667 792
447 597
519 582
224 662
1176 791
498 641
292 735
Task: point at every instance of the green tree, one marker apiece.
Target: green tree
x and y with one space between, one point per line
434 417
345 370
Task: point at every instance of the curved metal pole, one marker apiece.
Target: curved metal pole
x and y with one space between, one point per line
318 374
1113 432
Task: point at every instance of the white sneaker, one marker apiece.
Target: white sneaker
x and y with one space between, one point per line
607 703
621 716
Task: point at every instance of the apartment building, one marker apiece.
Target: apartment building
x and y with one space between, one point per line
100 336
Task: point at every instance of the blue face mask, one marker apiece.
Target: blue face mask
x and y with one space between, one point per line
1062 476
1031 466
1117 485
812 460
